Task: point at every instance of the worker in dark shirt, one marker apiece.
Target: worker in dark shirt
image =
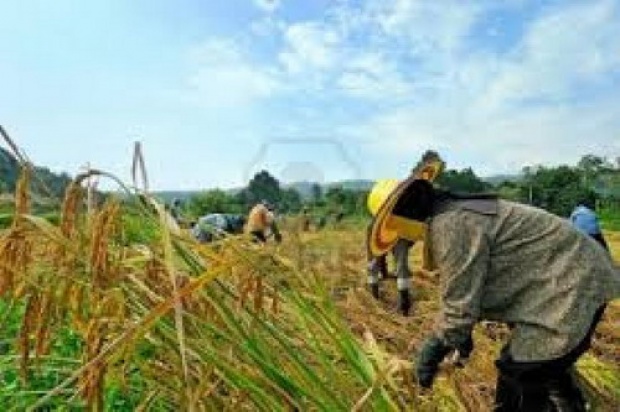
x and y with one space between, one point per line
505 262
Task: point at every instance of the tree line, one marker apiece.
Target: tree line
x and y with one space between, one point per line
265 187
593 180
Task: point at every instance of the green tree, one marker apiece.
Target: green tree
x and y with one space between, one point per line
213 201
508 190
317 192
290 200
347 201
263 186
557 189
591 166
464 181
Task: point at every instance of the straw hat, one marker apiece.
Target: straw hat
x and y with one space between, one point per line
387 227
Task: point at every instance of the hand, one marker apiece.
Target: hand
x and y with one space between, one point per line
433 352
464 347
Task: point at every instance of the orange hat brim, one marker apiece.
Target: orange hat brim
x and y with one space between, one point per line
382 236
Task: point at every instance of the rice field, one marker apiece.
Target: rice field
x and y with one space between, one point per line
95 317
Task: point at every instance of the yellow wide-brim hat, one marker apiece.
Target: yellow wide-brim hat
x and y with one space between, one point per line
386 228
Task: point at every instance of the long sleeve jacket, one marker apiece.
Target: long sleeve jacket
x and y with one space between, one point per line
512 263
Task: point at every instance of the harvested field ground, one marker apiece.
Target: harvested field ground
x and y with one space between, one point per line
340 257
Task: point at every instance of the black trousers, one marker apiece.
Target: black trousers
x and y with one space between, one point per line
259 236
545 386
601 240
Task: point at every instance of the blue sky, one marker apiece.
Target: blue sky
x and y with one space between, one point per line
310 89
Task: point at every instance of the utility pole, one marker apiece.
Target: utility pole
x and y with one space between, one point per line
91 187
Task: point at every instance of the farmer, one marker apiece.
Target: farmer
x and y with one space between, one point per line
175 210
261 222
304 221
506 262
584 218
215 225
377 266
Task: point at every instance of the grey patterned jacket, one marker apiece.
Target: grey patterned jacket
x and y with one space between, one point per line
512 263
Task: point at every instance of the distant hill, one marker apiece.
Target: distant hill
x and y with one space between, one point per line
168 196
498 179
305 189
359 184
9 173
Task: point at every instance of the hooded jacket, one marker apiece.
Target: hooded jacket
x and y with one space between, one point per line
512 263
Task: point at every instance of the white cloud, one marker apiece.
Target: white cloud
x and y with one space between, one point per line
542 103
224 76
502 142
267 5
560 52
310 47
428 27
427 83
372 76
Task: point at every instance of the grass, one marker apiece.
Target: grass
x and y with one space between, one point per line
610 219
111 311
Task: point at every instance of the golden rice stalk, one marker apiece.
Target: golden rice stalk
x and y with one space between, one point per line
44 318
104 227
92 378
33 308
68 225
22 195
16 247
70 209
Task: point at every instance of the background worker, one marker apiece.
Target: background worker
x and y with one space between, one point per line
304 219
216 225
505 262
377 266
261 222
584 219
176 210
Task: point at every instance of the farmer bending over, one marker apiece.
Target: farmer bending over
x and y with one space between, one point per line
217 225
505 262
584 219
261 222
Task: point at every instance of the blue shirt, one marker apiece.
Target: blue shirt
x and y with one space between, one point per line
585 220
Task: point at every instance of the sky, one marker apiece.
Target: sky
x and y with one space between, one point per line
321 90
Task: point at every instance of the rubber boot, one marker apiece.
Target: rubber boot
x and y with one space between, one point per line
374 290
565 395
404 302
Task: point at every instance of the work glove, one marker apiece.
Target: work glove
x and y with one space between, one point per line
404 302
464 347
432 354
